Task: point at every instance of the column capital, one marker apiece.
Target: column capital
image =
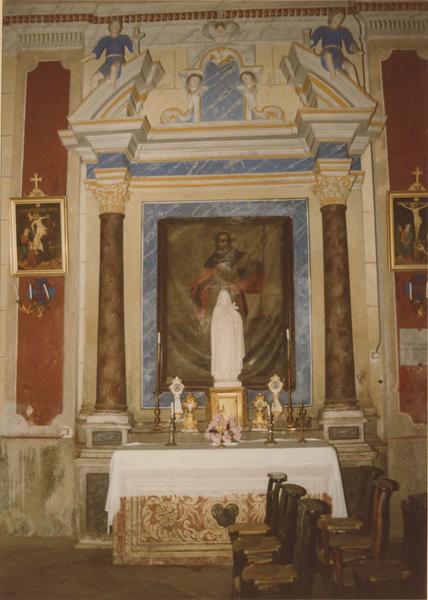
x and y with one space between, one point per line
333 181
110 189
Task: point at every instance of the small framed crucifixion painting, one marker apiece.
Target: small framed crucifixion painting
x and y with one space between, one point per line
38 236
408 230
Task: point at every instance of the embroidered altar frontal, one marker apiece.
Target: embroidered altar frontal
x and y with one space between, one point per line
173 505
180 529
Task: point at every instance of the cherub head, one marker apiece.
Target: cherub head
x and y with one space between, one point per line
194 82
248 79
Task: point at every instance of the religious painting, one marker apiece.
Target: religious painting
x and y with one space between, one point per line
408 230
199 260
38 236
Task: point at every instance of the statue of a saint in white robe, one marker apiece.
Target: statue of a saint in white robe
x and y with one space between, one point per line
227 342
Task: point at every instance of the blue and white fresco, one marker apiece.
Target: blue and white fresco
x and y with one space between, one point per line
297 210
222 99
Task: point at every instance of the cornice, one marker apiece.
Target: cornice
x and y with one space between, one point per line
306 9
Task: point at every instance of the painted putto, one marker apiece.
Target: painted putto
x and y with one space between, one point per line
332 38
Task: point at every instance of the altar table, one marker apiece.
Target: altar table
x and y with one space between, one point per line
172 505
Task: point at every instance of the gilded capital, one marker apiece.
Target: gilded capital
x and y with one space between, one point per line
331 189
111 198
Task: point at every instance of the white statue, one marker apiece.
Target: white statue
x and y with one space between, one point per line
227 342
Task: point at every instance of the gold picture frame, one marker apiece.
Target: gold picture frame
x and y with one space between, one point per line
38 236
408 229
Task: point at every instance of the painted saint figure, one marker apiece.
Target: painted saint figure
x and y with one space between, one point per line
227 342
227 268
332 38
114 46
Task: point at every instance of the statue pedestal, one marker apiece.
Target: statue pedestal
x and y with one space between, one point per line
231 401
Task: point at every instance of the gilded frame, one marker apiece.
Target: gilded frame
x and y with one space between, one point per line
38 236
408 229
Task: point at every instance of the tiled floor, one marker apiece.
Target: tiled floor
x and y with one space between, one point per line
53 569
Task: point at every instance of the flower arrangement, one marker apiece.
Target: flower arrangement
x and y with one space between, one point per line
223 431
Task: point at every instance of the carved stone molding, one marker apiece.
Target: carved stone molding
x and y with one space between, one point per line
332 189
50 39
396 25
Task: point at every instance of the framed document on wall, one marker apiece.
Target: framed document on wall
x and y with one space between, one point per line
38 236
408 230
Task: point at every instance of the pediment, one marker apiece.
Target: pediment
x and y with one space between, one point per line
333 110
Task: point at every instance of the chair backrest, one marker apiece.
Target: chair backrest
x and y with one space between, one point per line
272 497
363 509
383 489
304 555
286 532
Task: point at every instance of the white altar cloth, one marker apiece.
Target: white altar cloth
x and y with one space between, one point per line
201 470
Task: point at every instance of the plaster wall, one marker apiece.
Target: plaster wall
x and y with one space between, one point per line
37 487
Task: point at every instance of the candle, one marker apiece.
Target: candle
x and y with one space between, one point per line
268 407
30 292
288 334
46 291
410 291
158 337
172 409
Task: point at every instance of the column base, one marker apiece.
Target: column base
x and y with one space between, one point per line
344 429
343 426
106 429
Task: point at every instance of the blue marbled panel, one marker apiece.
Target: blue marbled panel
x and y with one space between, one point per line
222 100
297 209
220 167
332 150
204 167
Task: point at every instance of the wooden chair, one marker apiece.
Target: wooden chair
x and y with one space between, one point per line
359 520
386 578
414 510
262 549
381 578
270 523
289 578
349 547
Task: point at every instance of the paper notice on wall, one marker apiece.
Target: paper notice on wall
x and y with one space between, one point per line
413 347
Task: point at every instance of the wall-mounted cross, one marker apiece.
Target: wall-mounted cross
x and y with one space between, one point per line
36 180
417 185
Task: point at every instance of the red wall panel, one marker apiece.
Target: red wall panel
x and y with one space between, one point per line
405 88
40 360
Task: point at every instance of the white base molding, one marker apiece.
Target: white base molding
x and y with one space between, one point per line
106 430
344 428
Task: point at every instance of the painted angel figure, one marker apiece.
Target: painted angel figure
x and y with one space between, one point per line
194 91
332 38
114 46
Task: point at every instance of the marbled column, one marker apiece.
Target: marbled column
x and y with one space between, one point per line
339 355
111 373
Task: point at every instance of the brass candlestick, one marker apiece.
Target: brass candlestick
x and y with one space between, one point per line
171 441
269 436
157 423
302 422
290 417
